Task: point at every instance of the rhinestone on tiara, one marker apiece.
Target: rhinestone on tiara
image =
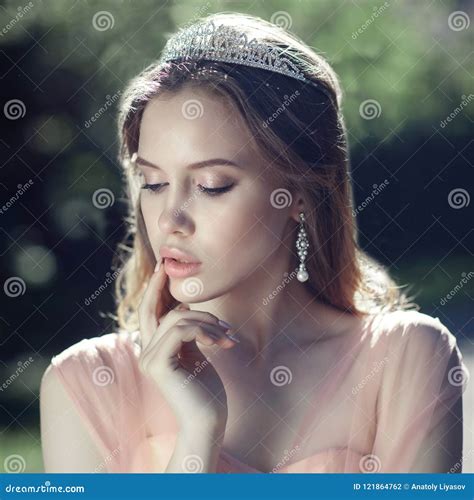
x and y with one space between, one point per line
205 40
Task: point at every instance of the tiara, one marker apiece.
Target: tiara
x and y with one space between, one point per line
205 40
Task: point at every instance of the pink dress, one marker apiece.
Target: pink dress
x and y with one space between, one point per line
388 385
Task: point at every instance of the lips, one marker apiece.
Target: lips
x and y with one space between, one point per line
176 269
178 255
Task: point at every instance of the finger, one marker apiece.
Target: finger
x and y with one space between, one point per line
147 311
179 313
168 347
182 307
215 331
168 320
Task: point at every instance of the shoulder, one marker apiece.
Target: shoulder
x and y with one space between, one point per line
409 327
83 386
96 347
97 361
417 344
104 350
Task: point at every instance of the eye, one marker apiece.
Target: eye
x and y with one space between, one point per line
155 188
152 187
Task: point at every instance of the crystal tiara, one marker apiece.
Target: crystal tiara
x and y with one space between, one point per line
205 40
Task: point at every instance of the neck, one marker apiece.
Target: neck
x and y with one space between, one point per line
265 307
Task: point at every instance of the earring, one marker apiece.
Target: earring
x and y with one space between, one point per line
302 245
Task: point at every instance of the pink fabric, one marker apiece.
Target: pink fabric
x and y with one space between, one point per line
386 387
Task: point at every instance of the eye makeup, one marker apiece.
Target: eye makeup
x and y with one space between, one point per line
156 188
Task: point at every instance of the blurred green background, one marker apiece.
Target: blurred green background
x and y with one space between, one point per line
406 72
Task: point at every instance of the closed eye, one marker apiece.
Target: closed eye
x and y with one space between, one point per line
156 188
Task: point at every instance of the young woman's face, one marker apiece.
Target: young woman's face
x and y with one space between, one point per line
235 232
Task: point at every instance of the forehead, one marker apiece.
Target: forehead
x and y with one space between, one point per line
191 126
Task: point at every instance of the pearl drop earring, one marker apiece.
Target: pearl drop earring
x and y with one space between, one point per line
302 245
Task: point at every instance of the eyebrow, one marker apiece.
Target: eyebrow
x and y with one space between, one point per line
200 164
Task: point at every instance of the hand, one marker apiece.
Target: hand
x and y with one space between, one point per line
171 357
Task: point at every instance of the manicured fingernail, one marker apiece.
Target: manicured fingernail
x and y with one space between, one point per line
224 323
235 339
158 265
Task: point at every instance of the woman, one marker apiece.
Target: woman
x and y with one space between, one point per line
254 334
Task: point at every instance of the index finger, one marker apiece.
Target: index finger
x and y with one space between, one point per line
150 308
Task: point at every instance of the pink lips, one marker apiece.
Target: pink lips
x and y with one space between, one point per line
178 254
177 269
178 263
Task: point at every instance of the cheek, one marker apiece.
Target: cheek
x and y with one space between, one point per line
150 216
245 231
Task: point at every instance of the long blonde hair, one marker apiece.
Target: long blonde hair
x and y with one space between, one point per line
307 146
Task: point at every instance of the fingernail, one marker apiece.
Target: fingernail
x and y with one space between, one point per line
158 265
224 323
235 339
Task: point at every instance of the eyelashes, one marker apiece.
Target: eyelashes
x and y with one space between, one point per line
156 188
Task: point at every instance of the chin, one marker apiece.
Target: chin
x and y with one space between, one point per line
188 290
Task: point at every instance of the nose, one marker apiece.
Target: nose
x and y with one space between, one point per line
175 218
